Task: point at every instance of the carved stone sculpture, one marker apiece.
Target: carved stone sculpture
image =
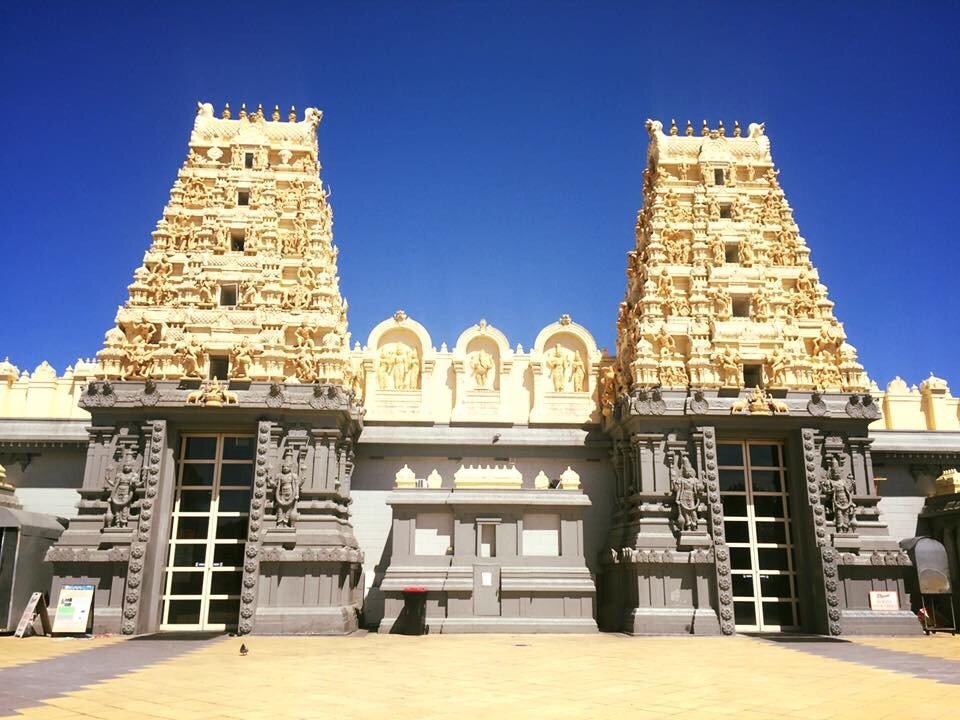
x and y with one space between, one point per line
838 490
286 481
122 479
688 492
481 367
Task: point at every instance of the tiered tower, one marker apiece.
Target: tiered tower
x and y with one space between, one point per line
216 493
721 292
240 281
738 414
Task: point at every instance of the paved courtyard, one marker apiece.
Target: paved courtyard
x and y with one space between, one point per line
477 676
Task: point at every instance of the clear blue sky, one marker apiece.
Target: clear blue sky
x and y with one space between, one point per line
486 158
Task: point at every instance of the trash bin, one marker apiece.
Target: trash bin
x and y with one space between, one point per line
414 611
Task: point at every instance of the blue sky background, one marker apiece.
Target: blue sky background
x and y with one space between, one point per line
486 158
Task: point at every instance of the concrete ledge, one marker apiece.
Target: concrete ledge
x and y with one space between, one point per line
501 625
337 620
887 622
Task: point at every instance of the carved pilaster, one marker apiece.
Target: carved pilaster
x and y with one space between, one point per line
154 445
706 438
251 553
827 584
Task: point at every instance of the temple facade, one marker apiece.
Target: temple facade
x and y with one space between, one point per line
228 462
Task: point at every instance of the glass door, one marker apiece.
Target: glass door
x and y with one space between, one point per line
756 513
208 531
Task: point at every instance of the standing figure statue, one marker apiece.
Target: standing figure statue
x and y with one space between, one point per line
481 363
286 482
688 491
122 479
839 488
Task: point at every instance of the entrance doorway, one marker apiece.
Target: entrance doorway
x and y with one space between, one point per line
208 531
756 513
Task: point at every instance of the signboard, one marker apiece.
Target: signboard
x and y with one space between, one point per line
36 606
884 600
73 612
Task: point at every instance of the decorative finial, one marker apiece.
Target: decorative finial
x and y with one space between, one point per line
276 113
705 130
226 111
260 110
243 111
482 325
565 319
736 128
689 131
292 117
399 316
673 127
721 129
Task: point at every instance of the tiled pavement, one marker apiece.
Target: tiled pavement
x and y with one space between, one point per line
492 676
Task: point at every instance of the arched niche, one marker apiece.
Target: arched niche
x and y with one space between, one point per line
397 348
483 351
568 354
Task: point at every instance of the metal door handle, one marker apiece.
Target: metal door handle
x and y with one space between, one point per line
219 564
198 564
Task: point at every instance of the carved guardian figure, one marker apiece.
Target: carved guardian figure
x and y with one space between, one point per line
122 479
688 491
286 482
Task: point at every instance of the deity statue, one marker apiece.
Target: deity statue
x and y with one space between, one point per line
839 487
746 252
688 490
721 303
192 356
719 250
666 345
206 290
558 363
728 363
122 478
241 358
305 366
286 481
139 362
303 335
578 372
398 367
608 390
778 363
481 365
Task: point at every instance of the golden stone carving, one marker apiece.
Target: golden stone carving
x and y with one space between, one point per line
243 250
212 394
719 257
398 367
482 368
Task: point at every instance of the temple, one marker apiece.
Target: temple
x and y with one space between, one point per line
228 463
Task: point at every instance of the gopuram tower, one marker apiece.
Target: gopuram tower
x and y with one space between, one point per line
738 415
216 492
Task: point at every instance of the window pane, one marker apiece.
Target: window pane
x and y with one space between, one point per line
194 501
228 555
732 480
189 555
197 474
193 528
765 455
232 528
778 613
740 558
201 448
743 585
734 505
737 531
238 448
187 583
772 532
183 612
775 585
744 613
772 559
235 501
768 506
225 583
730 454
224 611
765 481
236 475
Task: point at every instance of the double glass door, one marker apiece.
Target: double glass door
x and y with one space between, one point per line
208 531
756 513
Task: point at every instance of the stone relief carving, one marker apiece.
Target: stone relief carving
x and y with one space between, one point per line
398 367
122 479
482 369
837 488
212 394
285 480
566 369
688 492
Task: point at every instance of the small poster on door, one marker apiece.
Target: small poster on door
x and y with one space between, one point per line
73 610
486 579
